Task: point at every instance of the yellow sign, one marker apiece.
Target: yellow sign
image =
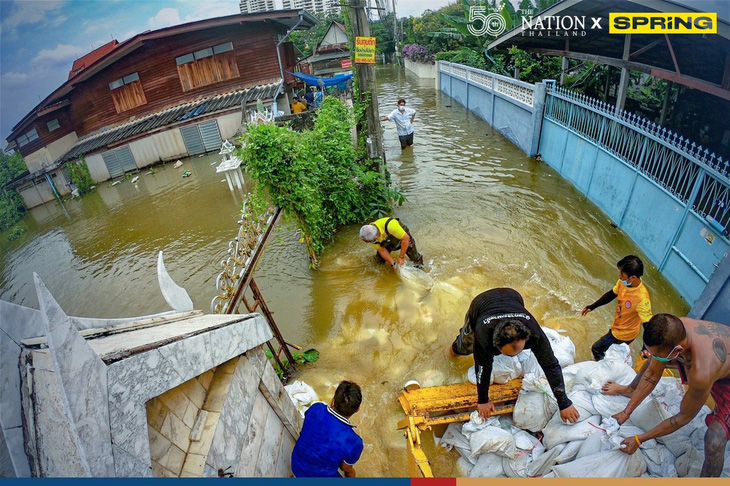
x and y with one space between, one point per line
365 50
662 23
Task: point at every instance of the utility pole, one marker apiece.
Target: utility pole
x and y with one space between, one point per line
366 81
395 36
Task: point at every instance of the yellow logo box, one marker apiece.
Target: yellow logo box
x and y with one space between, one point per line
662 23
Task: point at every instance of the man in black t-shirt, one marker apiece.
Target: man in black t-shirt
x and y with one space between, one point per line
498 323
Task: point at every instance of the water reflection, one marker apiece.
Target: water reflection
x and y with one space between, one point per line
484 214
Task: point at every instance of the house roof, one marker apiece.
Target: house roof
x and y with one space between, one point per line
285 19
88 59
331 46
697 61
175 114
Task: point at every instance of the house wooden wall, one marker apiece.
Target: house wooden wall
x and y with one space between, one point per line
255 51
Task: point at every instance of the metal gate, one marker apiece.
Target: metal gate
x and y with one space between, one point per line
202 137
119 161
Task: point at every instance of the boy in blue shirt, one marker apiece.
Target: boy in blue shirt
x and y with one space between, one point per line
327 441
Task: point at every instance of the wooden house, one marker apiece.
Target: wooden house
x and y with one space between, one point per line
161 95
331 54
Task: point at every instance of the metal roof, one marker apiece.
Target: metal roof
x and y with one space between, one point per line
283 19
697 61
182 112
188 111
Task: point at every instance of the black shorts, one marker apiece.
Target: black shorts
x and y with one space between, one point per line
406 140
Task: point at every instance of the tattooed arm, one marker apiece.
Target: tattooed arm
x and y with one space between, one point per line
691 404
644 383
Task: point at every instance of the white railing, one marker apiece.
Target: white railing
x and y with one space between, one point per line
505 86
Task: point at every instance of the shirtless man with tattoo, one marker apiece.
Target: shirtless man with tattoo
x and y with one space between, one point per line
699 349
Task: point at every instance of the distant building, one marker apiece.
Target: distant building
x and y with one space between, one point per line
158 96
315 6
331 54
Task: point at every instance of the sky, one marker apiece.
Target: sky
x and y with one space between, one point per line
40 39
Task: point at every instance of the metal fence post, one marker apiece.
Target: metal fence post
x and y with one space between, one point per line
688 206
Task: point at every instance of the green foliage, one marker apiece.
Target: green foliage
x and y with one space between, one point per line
464 55
16 233
11 204
313 175
79 174
308 356
306 40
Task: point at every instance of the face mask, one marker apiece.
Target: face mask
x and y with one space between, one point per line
402 108
626 283
670 356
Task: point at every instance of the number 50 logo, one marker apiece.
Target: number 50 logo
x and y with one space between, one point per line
492 24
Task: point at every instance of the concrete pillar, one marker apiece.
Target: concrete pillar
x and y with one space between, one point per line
714 302
623 84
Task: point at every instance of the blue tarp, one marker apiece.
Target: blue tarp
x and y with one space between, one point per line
314 80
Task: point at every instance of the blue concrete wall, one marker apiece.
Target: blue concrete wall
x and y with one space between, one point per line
513 118
671 235
714 303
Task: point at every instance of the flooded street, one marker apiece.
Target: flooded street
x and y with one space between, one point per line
484 215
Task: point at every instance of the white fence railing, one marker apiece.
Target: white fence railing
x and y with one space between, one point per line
511 88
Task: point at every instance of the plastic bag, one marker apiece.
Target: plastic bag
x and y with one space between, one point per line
492 439
302 395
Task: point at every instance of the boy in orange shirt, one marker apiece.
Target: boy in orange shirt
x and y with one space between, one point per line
632 310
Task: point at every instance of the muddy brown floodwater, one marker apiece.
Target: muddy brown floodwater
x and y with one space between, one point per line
484 215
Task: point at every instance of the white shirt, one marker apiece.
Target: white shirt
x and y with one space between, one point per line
403 120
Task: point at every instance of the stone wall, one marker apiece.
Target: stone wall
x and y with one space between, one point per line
421 70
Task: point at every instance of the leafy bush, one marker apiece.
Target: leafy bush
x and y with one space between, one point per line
464 55
314 175
15 234
417 53
79 174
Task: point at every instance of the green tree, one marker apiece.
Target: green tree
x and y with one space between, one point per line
306 40
11 204
79 175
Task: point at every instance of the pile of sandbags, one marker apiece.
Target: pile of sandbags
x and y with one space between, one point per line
508 446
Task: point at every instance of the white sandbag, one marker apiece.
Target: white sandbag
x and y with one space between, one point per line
505 369
608 405
583 403
415 277
542 466
593 378
569 451
627 430
453 438
677 442
492 439
648 414
660 462
476 423
302 395
535 404
463 467
516 467
689 464
593 444
563 347
610 464
620 352
556 432
529 363
523 440
488 465
471 375
570 372
669 392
